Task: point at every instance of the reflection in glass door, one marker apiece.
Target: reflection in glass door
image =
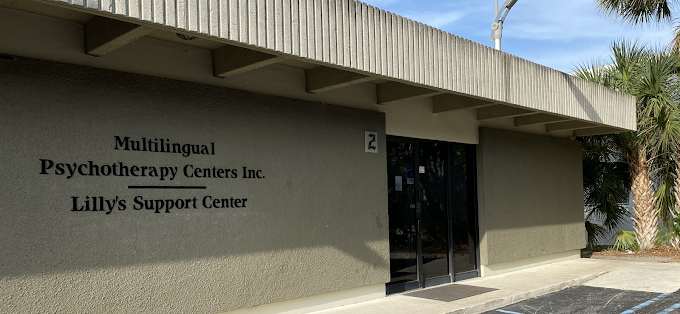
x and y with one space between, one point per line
464 212
434 229
432 213
402 220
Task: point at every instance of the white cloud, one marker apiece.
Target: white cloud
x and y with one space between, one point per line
436 19
380 3
568 61
574 20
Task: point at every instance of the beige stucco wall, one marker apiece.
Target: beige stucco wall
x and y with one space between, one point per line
530 199
317 222
414 118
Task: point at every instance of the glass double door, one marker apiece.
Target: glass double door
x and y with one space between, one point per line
432 213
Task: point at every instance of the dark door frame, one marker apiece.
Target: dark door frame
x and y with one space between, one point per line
452 276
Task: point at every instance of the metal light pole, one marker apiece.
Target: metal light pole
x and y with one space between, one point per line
497 26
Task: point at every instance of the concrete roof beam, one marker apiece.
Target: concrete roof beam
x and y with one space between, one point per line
231 60
498 111
104 35
538 118
568 126
322 79
451 102
596 131
395 91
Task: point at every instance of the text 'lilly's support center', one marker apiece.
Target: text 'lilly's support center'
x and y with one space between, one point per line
223 155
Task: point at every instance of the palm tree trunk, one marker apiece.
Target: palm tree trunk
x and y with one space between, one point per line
675 239
645 216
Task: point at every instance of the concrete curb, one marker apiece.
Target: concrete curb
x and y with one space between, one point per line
639 259
511 299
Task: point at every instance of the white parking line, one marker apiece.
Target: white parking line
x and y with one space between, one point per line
645 304
673 307
508 312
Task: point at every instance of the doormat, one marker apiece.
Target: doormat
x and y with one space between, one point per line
449 293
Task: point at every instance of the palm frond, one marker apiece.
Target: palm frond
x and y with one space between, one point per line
626 59
606 184
658 111
675 44
596 73
626 241
638 11
595 233
665 200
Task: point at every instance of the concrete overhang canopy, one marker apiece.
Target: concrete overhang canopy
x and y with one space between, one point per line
348 35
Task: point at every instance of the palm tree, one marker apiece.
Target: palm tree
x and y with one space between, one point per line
606 185
643 11
666 122
646 11
648 76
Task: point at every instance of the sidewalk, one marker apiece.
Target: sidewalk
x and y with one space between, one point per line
640 276
511 287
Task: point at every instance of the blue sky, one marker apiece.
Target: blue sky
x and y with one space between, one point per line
561 34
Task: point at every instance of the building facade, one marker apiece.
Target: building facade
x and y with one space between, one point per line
274 155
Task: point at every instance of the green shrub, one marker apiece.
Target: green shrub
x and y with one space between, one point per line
664 236
626 241
675 240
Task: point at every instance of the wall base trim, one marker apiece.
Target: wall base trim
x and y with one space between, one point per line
319 302
496 269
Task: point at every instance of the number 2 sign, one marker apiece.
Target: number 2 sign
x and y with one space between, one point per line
371 141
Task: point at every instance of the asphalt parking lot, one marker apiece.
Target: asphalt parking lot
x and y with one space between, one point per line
586 299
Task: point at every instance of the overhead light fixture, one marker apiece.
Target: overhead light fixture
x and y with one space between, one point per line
497 25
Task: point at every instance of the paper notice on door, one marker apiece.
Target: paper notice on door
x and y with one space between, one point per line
398 183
